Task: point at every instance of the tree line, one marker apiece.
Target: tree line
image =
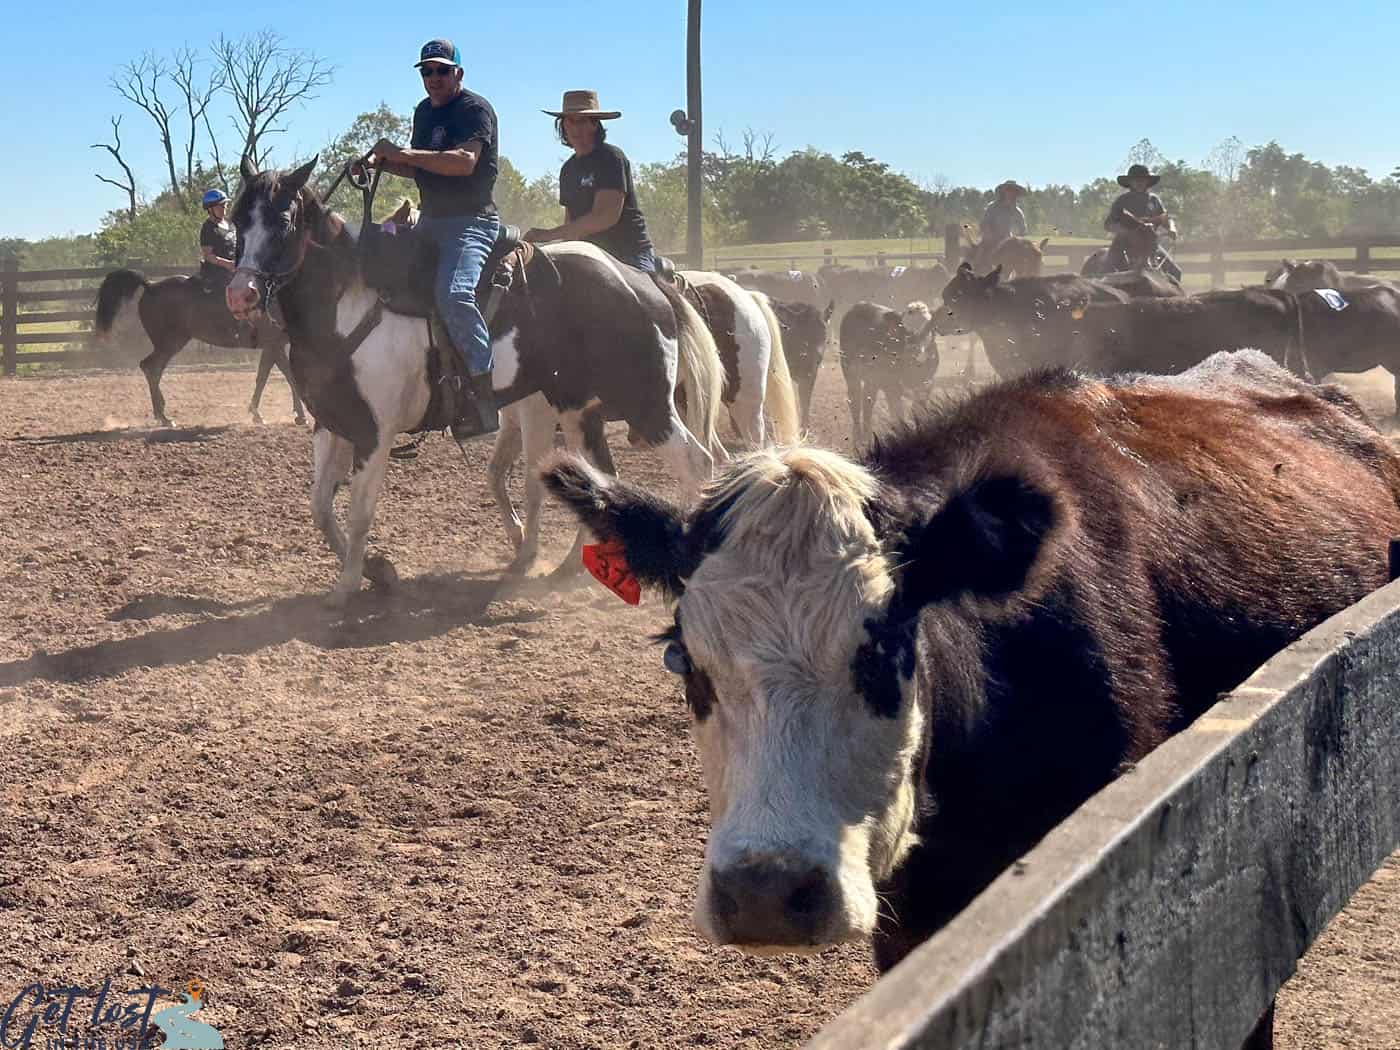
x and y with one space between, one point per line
206 109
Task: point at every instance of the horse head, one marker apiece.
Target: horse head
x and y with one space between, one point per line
275 218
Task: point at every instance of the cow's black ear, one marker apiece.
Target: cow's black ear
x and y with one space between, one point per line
965 266
650 530
985 542
994 278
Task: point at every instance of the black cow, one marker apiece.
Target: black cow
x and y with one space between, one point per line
886 351
804 340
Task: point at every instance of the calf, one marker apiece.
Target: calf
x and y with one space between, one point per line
804 329
890 352
903 671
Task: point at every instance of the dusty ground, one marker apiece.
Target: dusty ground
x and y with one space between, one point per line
450 818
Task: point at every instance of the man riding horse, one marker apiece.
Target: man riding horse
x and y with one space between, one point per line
596 186
1004 217
1137 220
453 159
217 244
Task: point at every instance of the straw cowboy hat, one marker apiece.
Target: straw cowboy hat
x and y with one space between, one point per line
1138 171
582 104
1010 184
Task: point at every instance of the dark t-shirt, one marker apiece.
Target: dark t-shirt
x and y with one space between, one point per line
466 117
1144 205
605 168
219 236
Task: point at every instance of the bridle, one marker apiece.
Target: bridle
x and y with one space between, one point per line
356 172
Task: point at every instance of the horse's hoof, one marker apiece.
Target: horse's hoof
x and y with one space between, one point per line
522 563
257 418
380 571
338 599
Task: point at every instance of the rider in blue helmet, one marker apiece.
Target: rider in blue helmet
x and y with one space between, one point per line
217 243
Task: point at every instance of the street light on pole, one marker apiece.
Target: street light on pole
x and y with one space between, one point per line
687 122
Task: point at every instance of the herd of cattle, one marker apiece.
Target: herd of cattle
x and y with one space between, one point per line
1307 315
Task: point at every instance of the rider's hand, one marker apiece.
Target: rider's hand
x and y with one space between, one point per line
383 151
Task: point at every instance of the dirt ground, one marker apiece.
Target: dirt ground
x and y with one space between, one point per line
452 817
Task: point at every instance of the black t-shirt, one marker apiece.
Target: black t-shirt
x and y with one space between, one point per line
466 117
219 236
605 168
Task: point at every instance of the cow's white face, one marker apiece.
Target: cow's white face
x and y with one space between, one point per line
797 637
811 779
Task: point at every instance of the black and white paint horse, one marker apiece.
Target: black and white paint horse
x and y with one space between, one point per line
161 317
758 394
574 331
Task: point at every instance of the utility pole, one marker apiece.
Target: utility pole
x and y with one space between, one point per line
687 123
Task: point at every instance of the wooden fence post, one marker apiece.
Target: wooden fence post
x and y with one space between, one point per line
951 253
1363 258
9 325
1217 267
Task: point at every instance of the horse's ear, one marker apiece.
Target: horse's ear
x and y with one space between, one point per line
247 168
994 278
1289 265
296 179
965 267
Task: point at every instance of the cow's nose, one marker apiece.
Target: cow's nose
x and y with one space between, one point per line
773 900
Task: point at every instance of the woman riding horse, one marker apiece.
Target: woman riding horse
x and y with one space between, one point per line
596 187
217 243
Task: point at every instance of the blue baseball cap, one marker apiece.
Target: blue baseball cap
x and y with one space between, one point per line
442 52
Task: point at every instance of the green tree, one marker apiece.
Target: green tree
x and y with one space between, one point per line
160 234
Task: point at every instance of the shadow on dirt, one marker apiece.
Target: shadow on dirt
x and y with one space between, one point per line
150 435
420 608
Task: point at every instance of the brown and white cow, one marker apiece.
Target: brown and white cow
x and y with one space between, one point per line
903 671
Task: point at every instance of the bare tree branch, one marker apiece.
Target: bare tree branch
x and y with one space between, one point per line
265 79
140 83
197 98
115 149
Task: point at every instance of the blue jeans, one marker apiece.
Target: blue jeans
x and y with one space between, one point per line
463 242
646 261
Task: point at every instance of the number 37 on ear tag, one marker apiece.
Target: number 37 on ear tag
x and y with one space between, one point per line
608 564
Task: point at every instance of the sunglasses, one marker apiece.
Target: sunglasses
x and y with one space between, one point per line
436 70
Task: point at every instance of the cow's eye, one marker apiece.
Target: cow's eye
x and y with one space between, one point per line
676 659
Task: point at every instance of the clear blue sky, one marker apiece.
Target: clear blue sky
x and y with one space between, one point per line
1042 92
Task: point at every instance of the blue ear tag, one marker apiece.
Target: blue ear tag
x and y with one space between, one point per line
675 659
1332 298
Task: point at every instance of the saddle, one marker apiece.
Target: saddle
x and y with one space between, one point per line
402 267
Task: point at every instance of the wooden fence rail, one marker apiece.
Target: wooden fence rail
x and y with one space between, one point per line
1168 910
15 321
1218 259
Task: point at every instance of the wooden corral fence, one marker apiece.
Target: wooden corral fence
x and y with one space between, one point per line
33 298
1168 910
1225 263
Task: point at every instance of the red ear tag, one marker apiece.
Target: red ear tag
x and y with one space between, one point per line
608 564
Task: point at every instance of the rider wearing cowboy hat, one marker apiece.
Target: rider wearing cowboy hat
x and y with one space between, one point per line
217 243
596 187
1136 212
1003 217
452 158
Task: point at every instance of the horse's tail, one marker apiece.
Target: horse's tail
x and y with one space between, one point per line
118 288
780 402
700 370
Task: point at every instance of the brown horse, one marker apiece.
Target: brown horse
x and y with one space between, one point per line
1017 256
168 314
